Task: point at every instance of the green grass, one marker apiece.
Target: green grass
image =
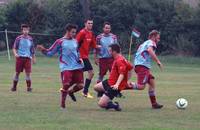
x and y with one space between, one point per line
40 110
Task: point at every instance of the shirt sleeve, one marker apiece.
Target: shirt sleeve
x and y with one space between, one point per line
16 43
129 66
115 39
94 43
98 40
150 44
80 38
124 66
53 49
121 66
32 49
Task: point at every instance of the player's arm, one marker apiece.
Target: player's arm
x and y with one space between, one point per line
154 57
51 51
15 47
122 69
95 47
32 50
80 38
119 80
96 51
15 52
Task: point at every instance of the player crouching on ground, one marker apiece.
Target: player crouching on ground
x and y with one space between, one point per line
117 80
70 63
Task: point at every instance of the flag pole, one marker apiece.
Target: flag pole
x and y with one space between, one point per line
130 45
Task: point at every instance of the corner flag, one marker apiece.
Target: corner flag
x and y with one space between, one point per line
135 33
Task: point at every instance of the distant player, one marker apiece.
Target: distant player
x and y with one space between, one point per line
105 60
117 80
142 62
86 40
24 52
70 63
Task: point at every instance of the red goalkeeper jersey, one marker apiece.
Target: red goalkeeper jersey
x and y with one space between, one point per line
120 66
86 40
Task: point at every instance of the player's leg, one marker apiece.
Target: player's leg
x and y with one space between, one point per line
89 69
152 95
66 77
142 78
28 82
27 67
106 100
15 81
77 78
18 68
103 68
99 87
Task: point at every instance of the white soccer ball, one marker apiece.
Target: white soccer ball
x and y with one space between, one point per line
181 103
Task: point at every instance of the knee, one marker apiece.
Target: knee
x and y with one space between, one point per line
96 87
141 87
65 87
91 74
102 104
17 74
80 86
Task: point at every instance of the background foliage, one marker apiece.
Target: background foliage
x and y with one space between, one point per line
178 23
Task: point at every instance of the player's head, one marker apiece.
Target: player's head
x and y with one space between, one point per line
71 30
155 36
114 49
106 27
89 24
25 29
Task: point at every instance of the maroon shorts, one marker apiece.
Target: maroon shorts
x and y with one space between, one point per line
105 64
23 63
70 77
143 74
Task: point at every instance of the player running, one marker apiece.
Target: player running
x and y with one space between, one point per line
86 40
24 52
117 80
70 63
142 62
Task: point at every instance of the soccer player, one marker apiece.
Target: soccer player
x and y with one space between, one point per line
24 52
69 61
142 62
105 60
86 40
117 80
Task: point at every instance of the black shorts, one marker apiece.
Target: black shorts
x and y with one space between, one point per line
87 65
111 93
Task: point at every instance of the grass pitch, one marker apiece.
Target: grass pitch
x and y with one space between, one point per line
40 110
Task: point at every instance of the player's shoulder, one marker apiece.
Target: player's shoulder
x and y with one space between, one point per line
100 36
82 31
30 37
120 59
19 37
148 42
113 36
59 41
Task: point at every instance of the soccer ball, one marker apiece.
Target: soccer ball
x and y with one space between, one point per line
181 103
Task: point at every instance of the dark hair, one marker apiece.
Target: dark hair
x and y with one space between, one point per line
153 33
115 47
24 26
70 26
88 19
106 23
